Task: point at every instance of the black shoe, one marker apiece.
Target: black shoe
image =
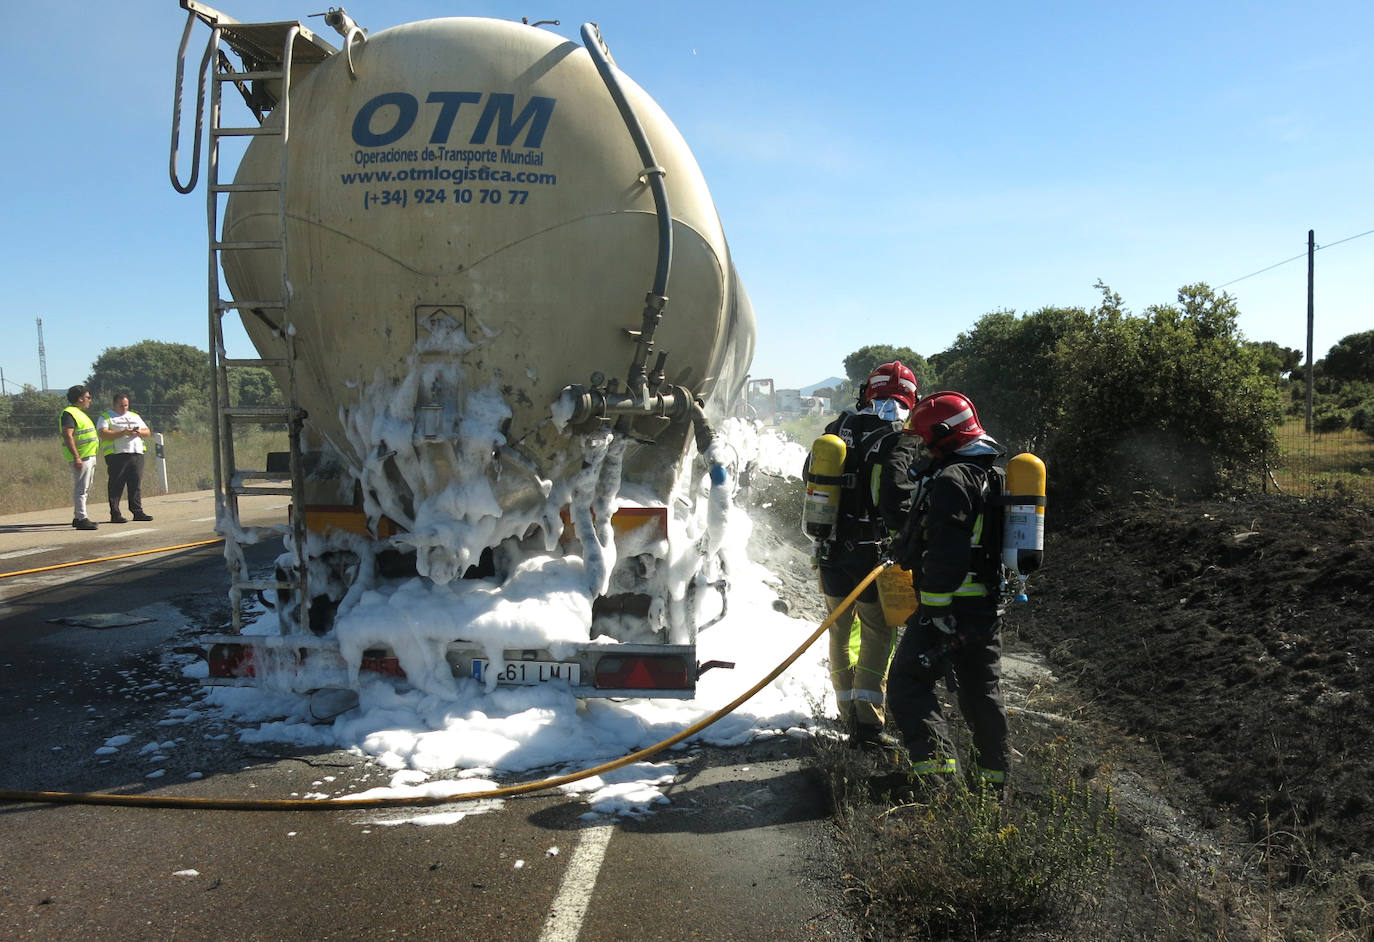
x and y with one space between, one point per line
118 518
895 786
142 517
871 738
85 523
908 788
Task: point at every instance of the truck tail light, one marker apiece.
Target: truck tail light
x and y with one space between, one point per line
642 672
231 660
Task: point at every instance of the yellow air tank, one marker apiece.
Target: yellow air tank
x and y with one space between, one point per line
1023 534
824 478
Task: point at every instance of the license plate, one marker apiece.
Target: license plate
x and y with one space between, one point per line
529 672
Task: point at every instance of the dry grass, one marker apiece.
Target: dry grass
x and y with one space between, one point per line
1335 464
36 476
1060 861
959 864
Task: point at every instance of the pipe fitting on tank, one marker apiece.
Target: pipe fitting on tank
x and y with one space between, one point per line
589 403
348 28
342 23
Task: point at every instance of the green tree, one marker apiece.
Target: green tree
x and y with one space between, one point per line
1275 360
158 377
249 386
193 414
1351 359
859 364
254 386
1173 400
34 414
1006 366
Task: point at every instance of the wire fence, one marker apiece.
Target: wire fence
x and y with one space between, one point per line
1329 464
42 419
30 421
1308 464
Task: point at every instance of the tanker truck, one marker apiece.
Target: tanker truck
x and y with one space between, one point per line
454 242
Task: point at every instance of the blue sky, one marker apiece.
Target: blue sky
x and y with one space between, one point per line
886 173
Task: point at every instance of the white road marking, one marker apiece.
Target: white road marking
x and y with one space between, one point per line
201 519
569 908
110 536
27 552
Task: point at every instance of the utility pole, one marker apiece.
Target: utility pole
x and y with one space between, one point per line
1311 252
42 357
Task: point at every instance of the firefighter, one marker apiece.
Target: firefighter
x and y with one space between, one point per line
861 647
954 631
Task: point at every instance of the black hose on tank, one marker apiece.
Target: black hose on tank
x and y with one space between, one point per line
705 435
657 297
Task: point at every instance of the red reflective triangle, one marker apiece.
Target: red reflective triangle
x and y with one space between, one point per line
640 678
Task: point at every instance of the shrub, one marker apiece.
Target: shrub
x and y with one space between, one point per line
963 863
1362 417
1327 422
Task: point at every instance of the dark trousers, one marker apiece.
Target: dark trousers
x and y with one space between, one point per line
125 471
977 669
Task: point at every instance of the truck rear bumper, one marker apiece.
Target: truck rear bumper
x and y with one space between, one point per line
304 663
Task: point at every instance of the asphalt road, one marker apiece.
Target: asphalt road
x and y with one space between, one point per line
741 853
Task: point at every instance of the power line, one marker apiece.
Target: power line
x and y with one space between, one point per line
1295 258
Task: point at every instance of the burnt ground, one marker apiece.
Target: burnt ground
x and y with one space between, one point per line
1222 651
1215 658
1236 638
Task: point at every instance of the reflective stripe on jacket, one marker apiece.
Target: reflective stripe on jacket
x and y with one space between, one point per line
972 587
951 535
108 445
84 434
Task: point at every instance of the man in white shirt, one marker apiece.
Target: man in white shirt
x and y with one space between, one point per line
121 433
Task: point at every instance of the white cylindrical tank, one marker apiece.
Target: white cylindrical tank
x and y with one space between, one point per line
468 223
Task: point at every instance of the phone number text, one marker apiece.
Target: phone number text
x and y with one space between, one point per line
462 196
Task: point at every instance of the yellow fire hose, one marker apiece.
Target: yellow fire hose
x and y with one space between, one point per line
337 804
106 559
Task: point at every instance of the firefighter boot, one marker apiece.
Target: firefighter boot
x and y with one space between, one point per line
870 738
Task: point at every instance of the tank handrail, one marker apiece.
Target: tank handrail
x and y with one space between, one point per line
354 32
653 174
200 107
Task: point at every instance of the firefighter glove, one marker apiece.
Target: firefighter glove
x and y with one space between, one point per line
905 547
945 623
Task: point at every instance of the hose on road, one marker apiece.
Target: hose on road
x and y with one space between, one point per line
346 804
106 559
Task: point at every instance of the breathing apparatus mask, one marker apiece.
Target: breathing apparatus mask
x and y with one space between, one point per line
889 409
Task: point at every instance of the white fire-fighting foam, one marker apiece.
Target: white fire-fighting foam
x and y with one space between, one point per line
442 724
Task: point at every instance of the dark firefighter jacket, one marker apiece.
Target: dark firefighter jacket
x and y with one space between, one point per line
943 543
875 498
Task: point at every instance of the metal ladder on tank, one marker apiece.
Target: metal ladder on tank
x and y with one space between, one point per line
254 44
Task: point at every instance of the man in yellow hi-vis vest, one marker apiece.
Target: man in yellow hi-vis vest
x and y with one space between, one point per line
80 443
122 432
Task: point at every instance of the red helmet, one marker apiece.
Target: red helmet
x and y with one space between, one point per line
892 381
946 421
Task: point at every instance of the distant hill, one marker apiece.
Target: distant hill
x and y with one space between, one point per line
832 382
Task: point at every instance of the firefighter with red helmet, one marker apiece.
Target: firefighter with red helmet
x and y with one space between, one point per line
869 510
955 629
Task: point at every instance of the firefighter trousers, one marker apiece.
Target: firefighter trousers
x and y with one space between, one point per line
976 664
860 649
